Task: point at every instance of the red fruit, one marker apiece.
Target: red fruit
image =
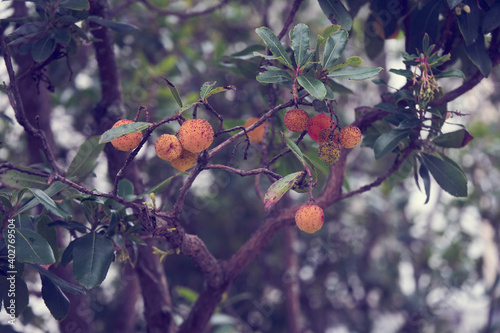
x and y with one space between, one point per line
318 123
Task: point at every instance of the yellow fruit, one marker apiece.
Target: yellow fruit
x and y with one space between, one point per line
296 120
168 147
309 218
329 152
257 134
316 124
350 136
129 141
196 135
185 161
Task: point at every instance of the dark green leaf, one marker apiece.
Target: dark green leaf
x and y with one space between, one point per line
92 256
75 4
161 186
62 35
457 139
403 72
447 174
490 20
119 131
387 142
320 106
478 53
71 225
295 149
356 73
31 247
334 47
17 179
53 189
469 25
274 45
44 229
85 159
49 204
313 86
43 48
299 36
67 255
426 178
174 92
279 188
409 123
451 73
274 76
336 13
121 28
54 298
219 90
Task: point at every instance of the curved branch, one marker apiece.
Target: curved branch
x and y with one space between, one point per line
289 19
244 173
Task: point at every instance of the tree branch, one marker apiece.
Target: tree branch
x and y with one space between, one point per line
185 15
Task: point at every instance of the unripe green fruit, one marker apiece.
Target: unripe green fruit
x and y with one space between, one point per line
316 124
168 147
129 141
185 161
350 136
296 120
309 218
329 152
196 135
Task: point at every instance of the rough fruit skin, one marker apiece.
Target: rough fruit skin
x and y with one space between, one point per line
350 136
168 147
324 136
316 124
329 152
129 141
196 135
296 120
309 218
257 135
185 161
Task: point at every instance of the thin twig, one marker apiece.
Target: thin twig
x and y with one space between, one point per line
242 172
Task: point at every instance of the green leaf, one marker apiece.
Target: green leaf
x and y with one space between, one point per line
334 47
457 139
279 188
74 4
426 178
490 20
447 174
30 247
17 179
43 48
295 149
336 13
188 294
451 73
44 229
53 189
299 36
469 25
206 87
478 54
274 45
403 72
121 28
54 298
122 130
92 256
63 284
174 92
62 35
313 86
387 142
85 159
219 90
274 76
356 73
71 225
49 204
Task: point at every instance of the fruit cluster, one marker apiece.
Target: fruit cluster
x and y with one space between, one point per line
195 135
320 128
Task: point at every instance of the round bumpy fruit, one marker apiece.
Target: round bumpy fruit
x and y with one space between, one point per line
309 218
256 135
129 141
329 152
350 136
324 136
186 160
168 147
196 135
296 120
318 123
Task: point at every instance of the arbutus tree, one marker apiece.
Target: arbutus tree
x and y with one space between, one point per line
289 161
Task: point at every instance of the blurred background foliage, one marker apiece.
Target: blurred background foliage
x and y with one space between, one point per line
384 262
